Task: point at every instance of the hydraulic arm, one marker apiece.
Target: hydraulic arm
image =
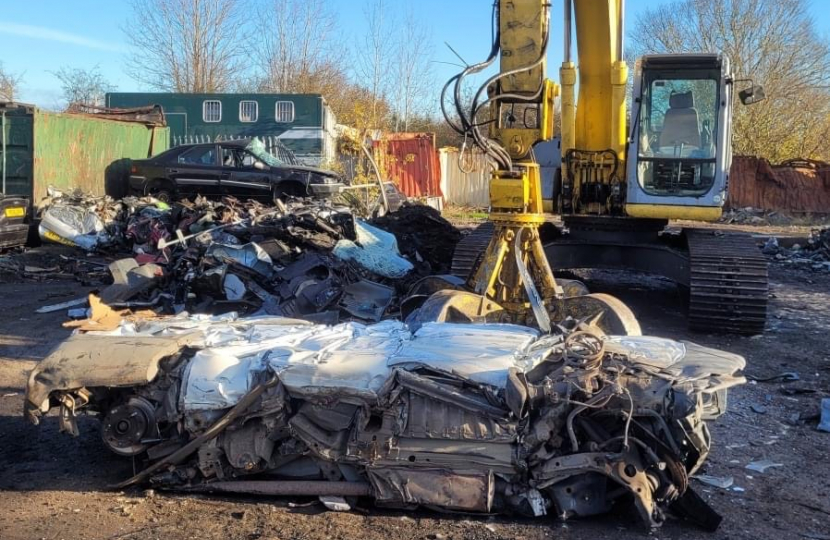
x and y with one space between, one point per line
594 134
517 106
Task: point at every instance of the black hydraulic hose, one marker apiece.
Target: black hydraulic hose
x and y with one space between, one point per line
492 150
447 118
475 68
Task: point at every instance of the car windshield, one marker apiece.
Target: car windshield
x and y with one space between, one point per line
257 148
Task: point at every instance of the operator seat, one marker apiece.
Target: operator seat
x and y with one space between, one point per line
680 125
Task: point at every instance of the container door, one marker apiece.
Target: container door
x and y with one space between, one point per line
19 151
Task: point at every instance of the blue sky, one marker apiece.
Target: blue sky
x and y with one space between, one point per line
84 33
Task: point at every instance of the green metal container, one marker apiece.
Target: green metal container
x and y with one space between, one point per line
39 149
304 123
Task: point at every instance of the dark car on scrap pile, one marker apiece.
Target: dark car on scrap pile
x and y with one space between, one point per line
242 168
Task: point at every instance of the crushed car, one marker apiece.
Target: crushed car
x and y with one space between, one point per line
240 168
458 417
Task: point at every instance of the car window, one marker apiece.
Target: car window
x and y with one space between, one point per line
236 157
198 156
248 158
229 157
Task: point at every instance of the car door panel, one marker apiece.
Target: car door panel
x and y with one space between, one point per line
197 171
245 180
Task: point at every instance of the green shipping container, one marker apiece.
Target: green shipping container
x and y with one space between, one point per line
39 149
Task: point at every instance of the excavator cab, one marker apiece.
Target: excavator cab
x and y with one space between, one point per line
679 152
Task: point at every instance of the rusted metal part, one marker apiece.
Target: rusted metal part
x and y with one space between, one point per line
411 160
151 115
471 492
179 455
288 488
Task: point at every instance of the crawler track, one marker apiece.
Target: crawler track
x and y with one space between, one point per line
470 249
728 286
728 283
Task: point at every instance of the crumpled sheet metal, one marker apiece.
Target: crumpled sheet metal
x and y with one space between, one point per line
497 418
98 361
358 358
250 256
351 358
72 225
471 492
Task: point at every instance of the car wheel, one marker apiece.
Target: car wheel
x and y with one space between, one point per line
163 191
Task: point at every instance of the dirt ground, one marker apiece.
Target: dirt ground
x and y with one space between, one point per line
53 486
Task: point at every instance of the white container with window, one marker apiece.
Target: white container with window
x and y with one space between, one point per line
248 111
284 111
211 110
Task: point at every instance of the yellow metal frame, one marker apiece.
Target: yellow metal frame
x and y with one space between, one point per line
666 211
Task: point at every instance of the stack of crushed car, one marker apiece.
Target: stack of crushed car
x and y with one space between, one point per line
304 258
461 417
284 366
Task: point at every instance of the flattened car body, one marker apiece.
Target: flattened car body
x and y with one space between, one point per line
463 417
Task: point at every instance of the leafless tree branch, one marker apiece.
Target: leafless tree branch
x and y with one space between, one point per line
774 42
187 45
9 84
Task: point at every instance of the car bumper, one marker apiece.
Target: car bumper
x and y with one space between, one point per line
14 235
138 184
326 189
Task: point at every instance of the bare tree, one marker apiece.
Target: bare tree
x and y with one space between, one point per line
297 46
187 45
83 88
376 56
775 43
9 84
415 93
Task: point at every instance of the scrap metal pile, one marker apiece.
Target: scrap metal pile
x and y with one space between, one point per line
256 384
304 258
815 254
460 417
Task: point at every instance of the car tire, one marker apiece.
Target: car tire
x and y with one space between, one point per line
162 190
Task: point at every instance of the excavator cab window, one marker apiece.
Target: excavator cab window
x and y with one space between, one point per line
678 124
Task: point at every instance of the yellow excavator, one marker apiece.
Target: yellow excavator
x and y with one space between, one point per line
621 176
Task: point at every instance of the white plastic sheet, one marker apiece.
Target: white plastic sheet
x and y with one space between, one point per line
376 250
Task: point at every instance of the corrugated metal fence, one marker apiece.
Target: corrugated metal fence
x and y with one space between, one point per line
272 144
798 187
467 187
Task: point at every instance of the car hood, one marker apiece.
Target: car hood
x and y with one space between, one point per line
314 170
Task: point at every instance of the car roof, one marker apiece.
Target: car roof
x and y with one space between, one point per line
241 143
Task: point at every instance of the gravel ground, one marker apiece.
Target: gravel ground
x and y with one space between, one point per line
53 486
